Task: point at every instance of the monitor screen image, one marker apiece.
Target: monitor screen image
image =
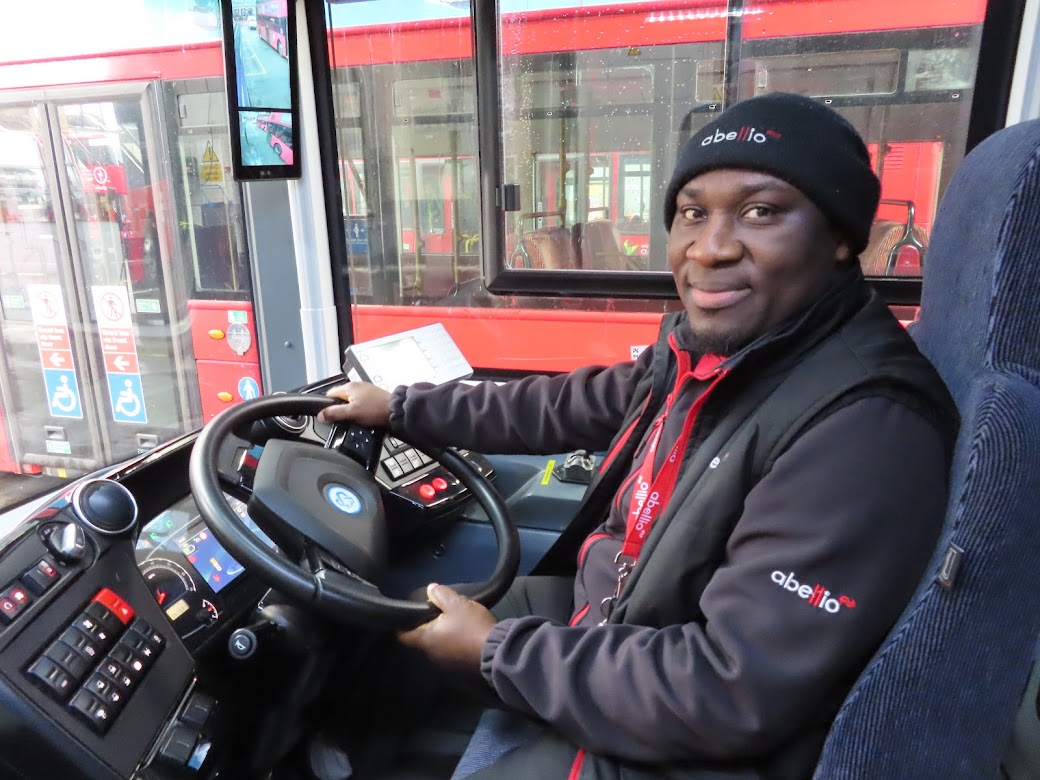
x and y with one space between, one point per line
260 56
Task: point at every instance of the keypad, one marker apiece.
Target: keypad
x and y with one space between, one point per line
96 662
402 459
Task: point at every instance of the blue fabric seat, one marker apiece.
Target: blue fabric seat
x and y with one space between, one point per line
939 698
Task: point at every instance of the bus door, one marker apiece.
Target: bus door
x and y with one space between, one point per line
120 383
52 423
128 286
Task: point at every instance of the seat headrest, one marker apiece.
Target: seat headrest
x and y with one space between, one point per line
983 262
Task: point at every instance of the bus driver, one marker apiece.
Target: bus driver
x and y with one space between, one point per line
774 481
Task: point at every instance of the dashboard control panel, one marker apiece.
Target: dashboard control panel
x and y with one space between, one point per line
97 660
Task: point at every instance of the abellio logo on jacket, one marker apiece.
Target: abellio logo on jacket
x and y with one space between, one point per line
817 595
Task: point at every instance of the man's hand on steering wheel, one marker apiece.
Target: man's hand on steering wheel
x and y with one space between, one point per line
455 637
363 403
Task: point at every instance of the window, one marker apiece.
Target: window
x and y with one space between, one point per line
593 103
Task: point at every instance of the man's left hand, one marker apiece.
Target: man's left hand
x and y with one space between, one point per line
455 637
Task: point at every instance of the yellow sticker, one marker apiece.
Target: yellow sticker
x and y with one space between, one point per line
62 473
548 471
225 396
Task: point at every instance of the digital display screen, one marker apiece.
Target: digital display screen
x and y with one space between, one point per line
208 556
176 609
394 363
259 53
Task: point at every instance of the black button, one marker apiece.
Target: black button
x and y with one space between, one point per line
111 669
177 748
104 616
122 654
94 711
95 630
68 659
135 667
81 643
198 710
153 637
141 646
106 691
53 677
9 609
39 578
98 685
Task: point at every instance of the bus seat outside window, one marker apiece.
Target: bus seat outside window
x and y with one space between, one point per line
594 103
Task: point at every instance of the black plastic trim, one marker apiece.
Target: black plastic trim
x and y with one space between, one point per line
588 284
317 40
489 139
997 49
734 41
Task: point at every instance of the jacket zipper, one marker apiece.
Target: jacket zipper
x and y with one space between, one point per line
624 438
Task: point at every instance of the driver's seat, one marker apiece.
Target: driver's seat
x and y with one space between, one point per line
940 696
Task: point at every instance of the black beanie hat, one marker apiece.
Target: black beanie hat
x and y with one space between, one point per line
794 138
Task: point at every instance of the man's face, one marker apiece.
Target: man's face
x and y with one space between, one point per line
747 251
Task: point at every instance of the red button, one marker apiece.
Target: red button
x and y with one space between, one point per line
427 491
439 483
19 596
122 610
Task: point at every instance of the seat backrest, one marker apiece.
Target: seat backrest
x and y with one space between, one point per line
601 248
550 248
940 696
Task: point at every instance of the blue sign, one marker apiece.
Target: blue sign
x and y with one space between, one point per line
343 499
248 389
127 396
62 393
357 235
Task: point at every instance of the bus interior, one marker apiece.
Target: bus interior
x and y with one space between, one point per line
488 180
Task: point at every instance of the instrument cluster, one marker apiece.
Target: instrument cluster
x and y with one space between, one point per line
186 568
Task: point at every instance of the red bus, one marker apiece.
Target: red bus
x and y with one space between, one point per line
278 126
272 21
594 102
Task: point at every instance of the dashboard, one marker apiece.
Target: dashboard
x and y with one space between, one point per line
188 572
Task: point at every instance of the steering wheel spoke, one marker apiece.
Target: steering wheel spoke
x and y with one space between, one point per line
233 486
327 510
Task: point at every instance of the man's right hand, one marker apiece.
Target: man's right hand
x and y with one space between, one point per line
363 403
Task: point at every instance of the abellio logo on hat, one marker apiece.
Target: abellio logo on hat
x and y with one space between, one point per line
745 134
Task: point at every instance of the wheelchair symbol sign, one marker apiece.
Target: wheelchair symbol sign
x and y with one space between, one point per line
62 393
127 398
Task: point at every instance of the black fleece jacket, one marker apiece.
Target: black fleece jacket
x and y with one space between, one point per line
826 549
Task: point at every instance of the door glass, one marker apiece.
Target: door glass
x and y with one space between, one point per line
43 413
119 262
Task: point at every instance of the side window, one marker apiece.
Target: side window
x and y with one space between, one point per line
592 105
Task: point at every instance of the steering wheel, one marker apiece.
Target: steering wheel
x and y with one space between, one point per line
331 505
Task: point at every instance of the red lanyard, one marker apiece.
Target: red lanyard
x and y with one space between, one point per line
651 494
